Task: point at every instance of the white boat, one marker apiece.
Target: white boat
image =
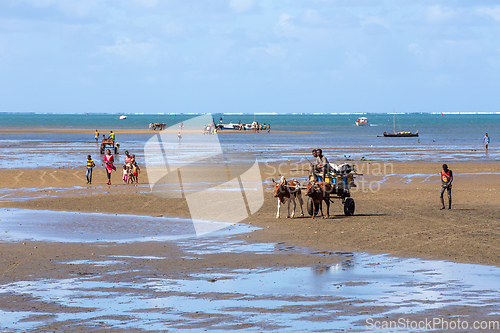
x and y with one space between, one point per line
236 126
123 117
363 121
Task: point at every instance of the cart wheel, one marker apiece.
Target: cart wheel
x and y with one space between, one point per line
349 207
310 207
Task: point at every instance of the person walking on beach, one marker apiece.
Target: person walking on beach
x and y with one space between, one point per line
179 136
446 180
90 166
96 135
486 140
109 160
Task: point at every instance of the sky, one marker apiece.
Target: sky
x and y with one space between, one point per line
127 56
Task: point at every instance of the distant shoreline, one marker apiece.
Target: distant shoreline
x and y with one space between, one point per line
256 114
119 131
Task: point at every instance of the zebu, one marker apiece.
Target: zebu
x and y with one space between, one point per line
288 190
319 192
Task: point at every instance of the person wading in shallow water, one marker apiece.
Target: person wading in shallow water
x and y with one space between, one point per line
446 180
486 141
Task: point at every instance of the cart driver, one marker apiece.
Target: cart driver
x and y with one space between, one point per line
313 168
322 164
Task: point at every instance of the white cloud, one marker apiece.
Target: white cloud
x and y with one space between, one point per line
493 12
356 60
73 8
173 30
241 5
132 52
285 25
272 49
414 48
314 17
147 3
373 20
439 14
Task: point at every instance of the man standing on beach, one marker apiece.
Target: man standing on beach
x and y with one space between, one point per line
96 135
446 180
486 140
112 135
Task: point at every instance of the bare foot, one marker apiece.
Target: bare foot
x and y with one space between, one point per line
442 208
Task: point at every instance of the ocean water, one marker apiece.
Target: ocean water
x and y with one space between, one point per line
443 138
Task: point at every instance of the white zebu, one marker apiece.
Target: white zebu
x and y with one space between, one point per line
288 190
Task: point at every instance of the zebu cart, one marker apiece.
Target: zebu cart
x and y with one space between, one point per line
341 178
108 143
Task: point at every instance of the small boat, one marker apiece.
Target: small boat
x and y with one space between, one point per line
401 134
398 134
363 121
232 126
123 117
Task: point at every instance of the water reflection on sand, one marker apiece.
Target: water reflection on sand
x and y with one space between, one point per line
340 295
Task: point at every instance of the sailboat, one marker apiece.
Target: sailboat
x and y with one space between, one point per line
398 134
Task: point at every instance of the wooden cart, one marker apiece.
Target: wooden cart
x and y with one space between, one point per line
108 143
341 182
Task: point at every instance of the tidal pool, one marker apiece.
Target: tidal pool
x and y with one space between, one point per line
317 298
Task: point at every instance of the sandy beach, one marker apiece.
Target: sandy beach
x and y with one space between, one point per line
397 213
401 217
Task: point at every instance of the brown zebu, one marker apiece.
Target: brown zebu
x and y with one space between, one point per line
288 190
319 192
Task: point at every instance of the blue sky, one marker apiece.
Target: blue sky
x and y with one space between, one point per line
249 56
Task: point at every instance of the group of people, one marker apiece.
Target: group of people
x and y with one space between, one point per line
320 167
261 127
131 170
157 126
111 136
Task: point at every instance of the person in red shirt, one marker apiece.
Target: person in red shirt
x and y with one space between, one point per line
109 160
446 180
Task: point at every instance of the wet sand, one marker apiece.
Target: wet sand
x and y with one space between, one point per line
397 212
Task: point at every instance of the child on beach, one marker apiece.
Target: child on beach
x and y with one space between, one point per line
136 171
90 166
124 174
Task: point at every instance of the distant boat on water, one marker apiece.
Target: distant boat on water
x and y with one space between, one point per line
395 134
123 117
401 134
363 121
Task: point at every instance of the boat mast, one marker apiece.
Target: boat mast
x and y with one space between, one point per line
393 120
